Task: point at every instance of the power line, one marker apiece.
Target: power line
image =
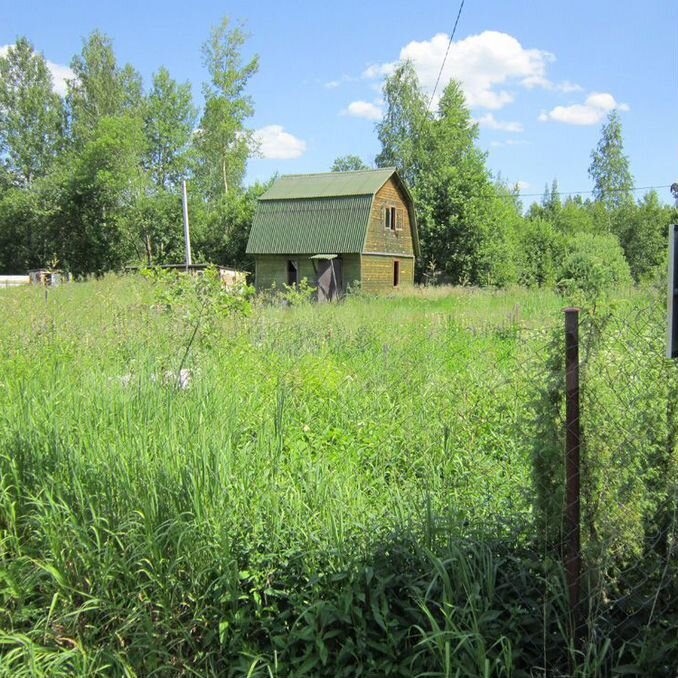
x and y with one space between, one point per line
447 51
611 190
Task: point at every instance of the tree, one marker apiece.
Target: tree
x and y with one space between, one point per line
31 113
574 217
540 249
224 143
406 125
93 229
464 220
155 221
23 240
609 169
348 163
100 88
642 231
221 235
169 120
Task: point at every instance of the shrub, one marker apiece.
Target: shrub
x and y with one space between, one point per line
540 249
593 265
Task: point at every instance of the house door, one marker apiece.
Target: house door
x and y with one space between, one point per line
329 279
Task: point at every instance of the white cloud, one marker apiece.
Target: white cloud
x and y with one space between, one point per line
485 64
277 144
363 109
567 87
59 72
522 185
488 121
60 75
591 112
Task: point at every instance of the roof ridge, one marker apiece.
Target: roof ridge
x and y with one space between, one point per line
320 174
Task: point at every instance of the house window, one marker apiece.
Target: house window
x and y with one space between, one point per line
292 272
390 217
396 273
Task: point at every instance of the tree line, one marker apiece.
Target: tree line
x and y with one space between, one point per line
91 181
472 226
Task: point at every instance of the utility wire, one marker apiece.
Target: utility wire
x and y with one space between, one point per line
520 194
447 51
611 190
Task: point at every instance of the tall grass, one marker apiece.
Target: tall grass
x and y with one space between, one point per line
311 505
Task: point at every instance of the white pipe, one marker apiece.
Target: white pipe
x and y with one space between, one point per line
187 235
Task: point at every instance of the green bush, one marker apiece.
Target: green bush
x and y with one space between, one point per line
540 249
593 265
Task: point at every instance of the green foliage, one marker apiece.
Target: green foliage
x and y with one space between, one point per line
296 511
220 233
24 241
609 169
465 222
593 265
540 249
270 512
154 218
348 163
107 194
405 128
224 143
643 231
169 120
91 230
202 297
31 113
297 295
100 88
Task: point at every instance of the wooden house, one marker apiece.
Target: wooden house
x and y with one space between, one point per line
335 229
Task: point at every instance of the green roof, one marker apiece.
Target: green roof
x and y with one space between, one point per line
312 213
310 225
328 184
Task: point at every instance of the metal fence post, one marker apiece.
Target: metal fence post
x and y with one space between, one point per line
572 445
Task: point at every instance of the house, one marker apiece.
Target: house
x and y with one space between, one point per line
335 229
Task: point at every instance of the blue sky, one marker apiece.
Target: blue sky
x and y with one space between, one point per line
540 76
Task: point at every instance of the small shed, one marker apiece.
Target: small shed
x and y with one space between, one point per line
50 277
335 229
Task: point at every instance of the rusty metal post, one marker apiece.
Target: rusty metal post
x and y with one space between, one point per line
572 446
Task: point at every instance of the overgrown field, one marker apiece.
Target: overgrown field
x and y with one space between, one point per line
349 490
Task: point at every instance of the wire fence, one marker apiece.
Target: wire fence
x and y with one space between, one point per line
599 525
623 586
348 424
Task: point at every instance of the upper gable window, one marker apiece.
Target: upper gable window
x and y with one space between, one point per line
390 218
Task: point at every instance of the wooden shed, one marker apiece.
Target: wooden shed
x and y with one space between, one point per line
335 229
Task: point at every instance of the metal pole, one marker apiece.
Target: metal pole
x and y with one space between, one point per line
187 235
572 447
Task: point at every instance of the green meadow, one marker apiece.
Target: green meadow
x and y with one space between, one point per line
191 489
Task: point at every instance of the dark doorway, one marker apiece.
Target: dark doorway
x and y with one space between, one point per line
329 279
292 273
396 273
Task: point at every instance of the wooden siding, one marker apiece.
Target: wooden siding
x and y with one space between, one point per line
381 239
272 268
378 272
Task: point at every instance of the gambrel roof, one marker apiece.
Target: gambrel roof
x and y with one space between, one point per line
310 213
